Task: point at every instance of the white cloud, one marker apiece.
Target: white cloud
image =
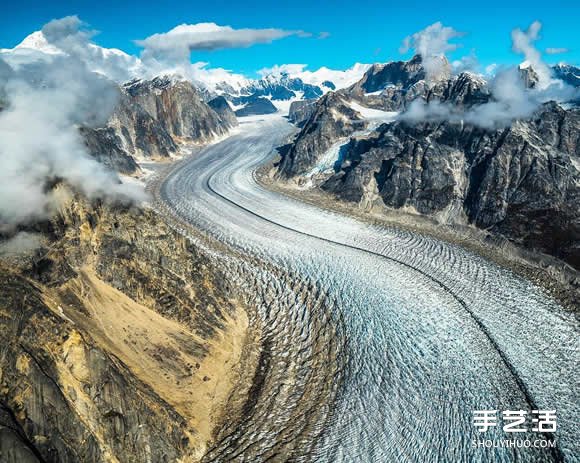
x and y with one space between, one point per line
556 51
47 101
279 69
523 42
490 69
177 44
210 77
69 36
510 99
432 43
465 63
21 243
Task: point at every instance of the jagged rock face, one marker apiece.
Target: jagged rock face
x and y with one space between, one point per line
324 128
50 368
177 107
464 90
253 106
113 339
300 111
529 76
257 96
222 108
151 118
332 119
142 135
522 182
567 73
107 147
403 74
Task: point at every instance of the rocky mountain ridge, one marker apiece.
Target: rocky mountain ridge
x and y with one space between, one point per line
152 118
521 181
257 96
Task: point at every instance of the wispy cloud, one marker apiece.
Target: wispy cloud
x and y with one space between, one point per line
432 43
179 42
523 42
46 102
556 51
510 99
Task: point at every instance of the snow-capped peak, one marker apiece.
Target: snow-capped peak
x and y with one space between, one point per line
37 41
340 79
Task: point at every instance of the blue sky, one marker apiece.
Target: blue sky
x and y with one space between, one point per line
363 31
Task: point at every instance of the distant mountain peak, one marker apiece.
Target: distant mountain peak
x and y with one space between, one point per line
37 41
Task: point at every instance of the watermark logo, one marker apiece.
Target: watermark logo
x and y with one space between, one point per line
515 421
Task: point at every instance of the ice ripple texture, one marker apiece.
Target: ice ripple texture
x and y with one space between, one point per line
419 332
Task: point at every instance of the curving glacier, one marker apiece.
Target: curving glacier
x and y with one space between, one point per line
410 334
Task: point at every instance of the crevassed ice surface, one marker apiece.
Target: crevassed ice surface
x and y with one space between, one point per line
431 332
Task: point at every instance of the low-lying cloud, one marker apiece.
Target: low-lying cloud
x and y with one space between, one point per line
510 99
45 102
21 243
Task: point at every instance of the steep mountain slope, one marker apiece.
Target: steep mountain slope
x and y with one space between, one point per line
151 118
220 105
300 111
282 87
178 108
120 343
252 105
569 74
389 87
331 119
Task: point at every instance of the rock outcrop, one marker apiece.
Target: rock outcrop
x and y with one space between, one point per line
253 106
141 135
256 96
121 342
300 111
408 84
567 73
178 108
221 106
401 74
282 87
107 147
522 182
332 119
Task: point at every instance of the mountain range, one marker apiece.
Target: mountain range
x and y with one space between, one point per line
247 96
519 179
387 135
